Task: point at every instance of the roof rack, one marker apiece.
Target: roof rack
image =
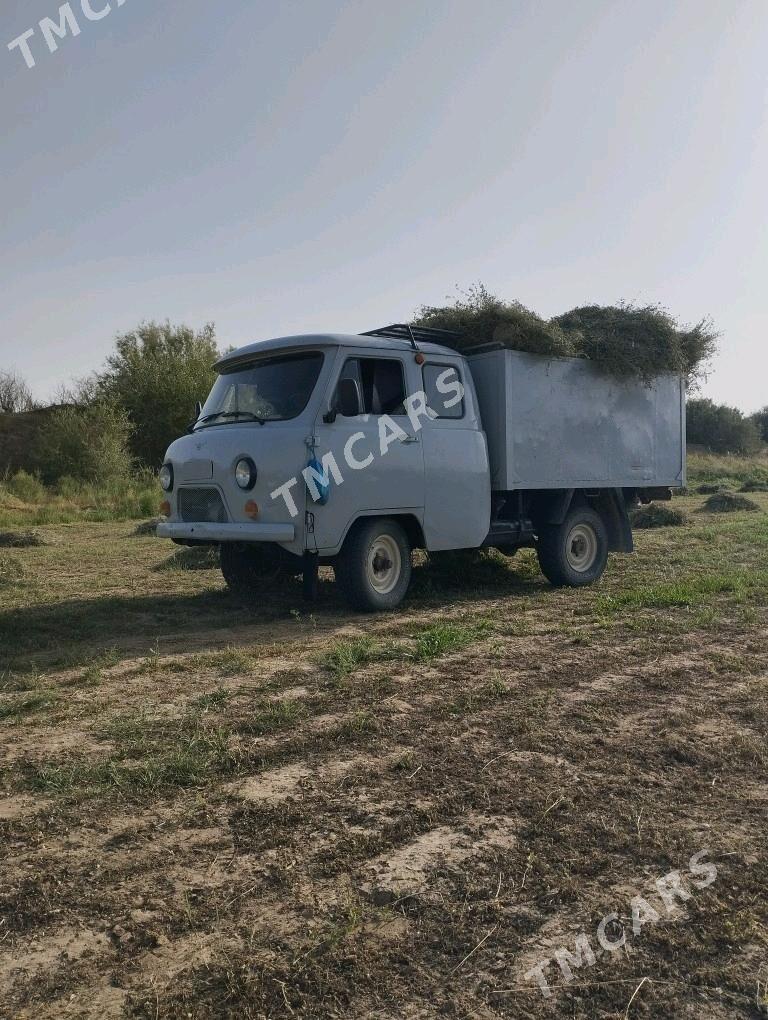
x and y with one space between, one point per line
404 331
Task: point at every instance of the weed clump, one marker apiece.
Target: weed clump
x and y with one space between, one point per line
755 485
655 516
728 503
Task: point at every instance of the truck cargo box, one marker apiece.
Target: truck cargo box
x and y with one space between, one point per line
556 423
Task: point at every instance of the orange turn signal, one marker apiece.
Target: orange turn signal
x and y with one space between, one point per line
252 509
165 508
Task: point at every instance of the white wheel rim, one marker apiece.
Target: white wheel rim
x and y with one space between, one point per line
581 548
384 564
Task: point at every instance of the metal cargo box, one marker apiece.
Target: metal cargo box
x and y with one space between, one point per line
555 423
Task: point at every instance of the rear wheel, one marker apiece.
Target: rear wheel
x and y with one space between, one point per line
373 569
575 552
253 566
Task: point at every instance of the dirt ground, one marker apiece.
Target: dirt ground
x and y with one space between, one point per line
219 808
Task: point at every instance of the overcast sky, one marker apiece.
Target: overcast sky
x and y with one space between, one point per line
315 165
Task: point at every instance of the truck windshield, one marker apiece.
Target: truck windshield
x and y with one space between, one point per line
270 389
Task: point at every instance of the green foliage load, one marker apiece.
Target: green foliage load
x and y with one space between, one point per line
624 340
720 428
156 375
86 444
655 515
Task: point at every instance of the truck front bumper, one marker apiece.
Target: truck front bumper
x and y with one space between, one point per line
204 532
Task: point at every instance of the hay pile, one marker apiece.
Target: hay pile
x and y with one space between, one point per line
729 503
624 340
655 515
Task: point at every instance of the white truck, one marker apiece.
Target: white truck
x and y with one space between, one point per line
355 450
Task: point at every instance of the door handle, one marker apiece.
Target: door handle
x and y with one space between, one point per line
410 439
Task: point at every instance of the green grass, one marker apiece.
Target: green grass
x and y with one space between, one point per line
26 502
349 654
684 592
442 638
271 717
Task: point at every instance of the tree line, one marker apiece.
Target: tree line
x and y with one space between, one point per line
121 419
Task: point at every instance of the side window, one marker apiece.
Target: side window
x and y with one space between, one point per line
381 382
444 390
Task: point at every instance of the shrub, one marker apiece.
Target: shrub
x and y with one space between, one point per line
655 515
729 502
755 485
84 444
760 418
26 487
721 428
15 395
156 375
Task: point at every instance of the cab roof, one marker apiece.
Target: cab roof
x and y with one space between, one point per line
320 340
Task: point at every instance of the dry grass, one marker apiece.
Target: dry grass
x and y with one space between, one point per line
212 808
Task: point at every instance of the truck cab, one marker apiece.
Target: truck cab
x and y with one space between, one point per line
328 448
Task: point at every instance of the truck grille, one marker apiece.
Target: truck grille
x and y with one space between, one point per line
201 505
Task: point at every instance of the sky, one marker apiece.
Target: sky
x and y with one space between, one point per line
328 166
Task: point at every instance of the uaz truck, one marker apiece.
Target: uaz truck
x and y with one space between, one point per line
354 450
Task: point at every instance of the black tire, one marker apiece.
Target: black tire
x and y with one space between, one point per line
574 553
365 586
250 567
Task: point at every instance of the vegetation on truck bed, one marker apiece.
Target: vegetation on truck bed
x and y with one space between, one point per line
624 340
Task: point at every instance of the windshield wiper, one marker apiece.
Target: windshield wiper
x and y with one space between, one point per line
231 414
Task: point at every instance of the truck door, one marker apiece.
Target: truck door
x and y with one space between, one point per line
373 481
457 501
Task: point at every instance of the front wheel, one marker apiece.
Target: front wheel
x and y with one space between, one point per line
574 553
373 569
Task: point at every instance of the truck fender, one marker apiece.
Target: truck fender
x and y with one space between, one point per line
612 507
559 505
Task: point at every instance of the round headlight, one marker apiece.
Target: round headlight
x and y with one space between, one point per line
166 477
245 473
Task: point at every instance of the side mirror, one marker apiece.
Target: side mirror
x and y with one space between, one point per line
347 402
198 412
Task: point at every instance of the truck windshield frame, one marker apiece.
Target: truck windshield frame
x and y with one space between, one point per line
270 388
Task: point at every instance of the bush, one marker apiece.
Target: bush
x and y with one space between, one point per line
755 485
625 340
26 487
728 503
720 428
156 375
84 444
760 418
657 516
